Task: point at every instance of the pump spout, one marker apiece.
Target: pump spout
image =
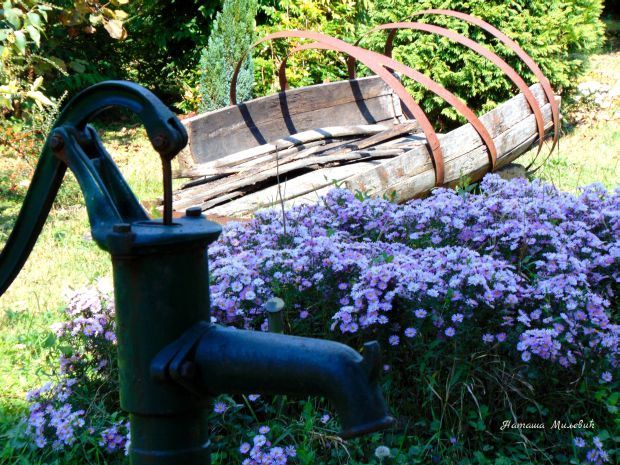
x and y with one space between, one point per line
234 361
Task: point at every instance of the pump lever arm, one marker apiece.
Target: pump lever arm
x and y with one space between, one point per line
165 132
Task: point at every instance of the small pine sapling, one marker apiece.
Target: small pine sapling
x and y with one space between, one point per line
231 37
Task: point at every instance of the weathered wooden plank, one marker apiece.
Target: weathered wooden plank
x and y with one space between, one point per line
458 142
199 194
361 101
336 149
414 174
291 189
392 133
305 137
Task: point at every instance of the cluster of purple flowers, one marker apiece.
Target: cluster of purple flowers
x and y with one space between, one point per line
55 426
115 438
89 330
57 411
261 452
596 455
519 265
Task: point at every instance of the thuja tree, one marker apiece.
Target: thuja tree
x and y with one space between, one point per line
558 34
231 36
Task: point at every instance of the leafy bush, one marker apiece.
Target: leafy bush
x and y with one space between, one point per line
495 310
559 35
231 37
165 40
339 19
29 31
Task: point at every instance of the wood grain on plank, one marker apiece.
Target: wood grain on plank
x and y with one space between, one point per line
236 128
411 176
289 142
291 189
458 142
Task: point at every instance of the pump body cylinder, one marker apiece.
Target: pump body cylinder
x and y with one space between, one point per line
158 296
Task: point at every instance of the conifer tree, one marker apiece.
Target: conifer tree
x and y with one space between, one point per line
231 35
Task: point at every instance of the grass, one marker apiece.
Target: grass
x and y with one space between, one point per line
589 148
65 257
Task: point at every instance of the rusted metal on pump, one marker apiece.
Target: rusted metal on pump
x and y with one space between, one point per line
172 359
393 28
374 62
511 44
433 86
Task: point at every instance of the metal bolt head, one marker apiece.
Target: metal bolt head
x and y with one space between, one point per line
121 228
193 212
57 142
159 142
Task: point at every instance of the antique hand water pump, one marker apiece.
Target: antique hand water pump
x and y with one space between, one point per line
172 360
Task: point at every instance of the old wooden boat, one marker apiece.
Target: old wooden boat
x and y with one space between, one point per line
365 134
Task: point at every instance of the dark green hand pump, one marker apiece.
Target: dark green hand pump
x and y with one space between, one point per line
172 360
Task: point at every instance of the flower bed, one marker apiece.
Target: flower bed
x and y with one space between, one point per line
494 306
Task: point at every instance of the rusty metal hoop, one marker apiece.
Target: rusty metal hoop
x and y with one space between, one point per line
393 28
522 54
369 59
418 77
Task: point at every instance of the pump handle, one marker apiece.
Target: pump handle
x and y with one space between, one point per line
165 132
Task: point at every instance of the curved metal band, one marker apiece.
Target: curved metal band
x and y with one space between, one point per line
374 62
432 85
478 48
512 45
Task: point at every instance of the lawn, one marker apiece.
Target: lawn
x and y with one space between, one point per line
589 149
66 258
63 258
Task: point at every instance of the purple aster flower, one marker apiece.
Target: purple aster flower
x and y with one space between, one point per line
325 418
606 377
259 440
410 332
450 331
264 429
420 313
488 338
579 442
394 340
220 407
244 448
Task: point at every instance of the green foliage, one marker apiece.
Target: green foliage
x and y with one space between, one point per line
163 49
21 26
338 18
558 34
232 35
29 34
